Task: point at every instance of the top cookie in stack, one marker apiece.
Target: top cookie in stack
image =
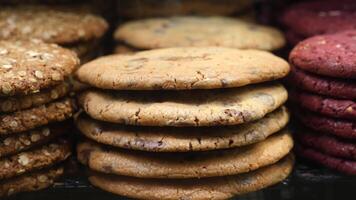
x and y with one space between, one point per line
71 28
196 31
152 114
323 78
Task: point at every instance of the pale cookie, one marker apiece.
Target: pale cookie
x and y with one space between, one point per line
16 103
27 67
30 182
50 24
186 165
199 32
198 189
35 117
26 140
39 158
184 108
183 68
167 139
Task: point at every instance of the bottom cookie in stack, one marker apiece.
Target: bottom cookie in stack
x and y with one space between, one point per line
324 99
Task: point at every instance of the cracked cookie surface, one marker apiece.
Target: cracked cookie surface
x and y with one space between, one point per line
204 188
167 139
184 108
183 68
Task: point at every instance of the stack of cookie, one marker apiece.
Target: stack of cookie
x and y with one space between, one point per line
185 123
195 31
74 28
308 19
324 75
33 106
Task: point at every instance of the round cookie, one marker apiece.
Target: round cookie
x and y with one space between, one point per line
153 8
16 103
331 55
338 127
186 165
50 24
184 108
319 17
23 141
35 117
339 164
336 108
183 68
204 188
30 182
167 139
26 67
327 144
39 158
186 31
343 89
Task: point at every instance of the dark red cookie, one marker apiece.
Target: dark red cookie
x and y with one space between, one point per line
339 127
345 89
337 108
341 165
331 55
320 17
293 38
327 144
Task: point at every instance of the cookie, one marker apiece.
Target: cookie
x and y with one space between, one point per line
320 17
50 24
336 108
124 49
16 103
23 141
338 127
204 188
35 117
152 8
186 165
186 31
27 67
30 182
184 108
39 158
338 164
166 139
183 68
327 144
331 55
343 89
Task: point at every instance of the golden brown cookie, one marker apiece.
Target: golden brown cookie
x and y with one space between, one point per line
197 31
204 188
16 103
183 68
167 139
184 108
35 117
26 140
39 158
186 165
27 67
30 182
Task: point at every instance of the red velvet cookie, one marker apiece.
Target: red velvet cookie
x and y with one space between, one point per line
345 89
341 165
319 17
339 127
345 109
327 144
332 55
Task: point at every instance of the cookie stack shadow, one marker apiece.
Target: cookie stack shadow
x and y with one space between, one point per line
185 123
323 93
34 106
